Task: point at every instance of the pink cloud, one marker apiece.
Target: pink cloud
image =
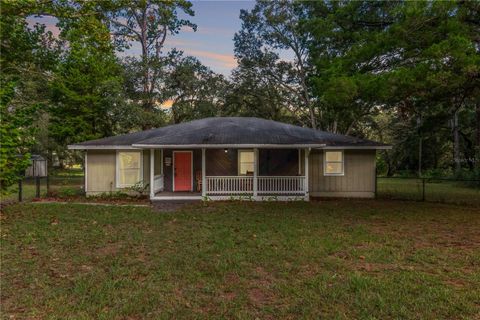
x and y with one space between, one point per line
49 22
226 60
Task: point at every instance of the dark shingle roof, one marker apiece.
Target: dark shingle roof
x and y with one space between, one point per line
231 131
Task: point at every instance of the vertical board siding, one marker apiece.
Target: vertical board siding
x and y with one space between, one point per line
101 171
358 178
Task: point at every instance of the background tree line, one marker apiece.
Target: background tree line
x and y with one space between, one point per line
406 73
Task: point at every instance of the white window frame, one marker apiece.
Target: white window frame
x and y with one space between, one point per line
238 160
325 173
117 168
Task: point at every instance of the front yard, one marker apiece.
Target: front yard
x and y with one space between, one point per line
332 259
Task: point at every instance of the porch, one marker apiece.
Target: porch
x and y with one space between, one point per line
226 173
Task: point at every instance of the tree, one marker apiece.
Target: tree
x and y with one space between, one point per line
193 89
14 128
26 59
417 58
148 23
269 31
86 93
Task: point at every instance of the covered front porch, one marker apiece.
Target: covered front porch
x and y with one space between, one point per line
178 173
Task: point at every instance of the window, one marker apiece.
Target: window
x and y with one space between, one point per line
245 162
129 168
333 163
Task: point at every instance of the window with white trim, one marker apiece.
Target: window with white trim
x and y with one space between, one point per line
129 168
245 162
333 163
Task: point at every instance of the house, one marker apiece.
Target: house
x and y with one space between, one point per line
232 157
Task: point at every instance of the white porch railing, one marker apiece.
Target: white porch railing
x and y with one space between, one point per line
157 183
281 185
273 185
229 184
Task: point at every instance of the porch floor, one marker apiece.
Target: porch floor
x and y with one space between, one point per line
179 195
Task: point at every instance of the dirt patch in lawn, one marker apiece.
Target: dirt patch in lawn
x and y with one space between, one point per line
110 249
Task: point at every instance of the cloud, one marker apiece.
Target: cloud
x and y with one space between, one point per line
49 22
227 60
186 29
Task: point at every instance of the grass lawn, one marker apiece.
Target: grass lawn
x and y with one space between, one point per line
331 259
435 190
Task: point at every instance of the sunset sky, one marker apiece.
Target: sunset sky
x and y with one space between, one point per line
212 43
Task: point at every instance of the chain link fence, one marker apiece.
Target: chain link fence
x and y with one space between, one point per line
455 191
29 188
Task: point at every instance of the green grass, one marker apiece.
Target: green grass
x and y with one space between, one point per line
332 259
435 190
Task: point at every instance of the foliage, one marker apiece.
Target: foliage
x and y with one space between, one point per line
194 90
410 69
86 94
139 188
27 55
266 82
14 156
147 23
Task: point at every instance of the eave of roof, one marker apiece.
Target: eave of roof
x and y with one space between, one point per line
230 132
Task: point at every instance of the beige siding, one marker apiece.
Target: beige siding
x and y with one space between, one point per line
358 180
101 170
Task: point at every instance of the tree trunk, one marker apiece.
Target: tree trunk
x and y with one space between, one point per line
456 143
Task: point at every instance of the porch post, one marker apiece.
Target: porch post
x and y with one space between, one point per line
307 192
204 178
162 186
255 172
152 173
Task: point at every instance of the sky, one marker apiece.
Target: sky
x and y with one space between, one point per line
212 43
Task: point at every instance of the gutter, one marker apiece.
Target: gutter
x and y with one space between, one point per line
220 146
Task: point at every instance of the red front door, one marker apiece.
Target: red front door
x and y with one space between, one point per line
182 171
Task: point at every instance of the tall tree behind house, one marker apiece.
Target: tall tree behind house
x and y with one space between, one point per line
147 23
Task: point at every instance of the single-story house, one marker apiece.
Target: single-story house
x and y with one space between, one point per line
232 157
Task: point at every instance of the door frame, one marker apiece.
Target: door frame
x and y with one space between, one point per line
173 168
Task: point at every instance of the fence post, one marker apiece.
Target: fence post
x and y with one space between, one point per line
37 185
48 185
423 189
20 196
376 182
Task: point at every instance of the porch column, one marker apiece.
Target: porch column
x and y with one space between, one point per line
162 186
255 172
204 177
152 173
307 192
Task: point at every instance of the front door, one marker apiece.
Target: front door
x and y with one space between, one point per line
182 171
